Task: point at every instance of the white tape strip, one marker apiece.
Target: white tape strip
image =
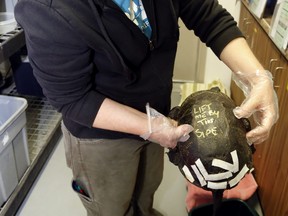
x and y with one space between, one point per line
239 176
228 166
217 185
188 174
212 177
199 176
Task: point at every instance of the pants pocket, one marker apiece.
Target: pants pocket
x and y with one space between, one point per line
91 206
81 192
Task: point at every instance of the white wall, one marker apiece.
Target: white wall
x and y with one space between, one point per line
195 62
188 63
214 68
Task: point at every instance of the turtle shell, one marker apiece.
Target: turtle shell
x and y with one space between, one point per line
217 155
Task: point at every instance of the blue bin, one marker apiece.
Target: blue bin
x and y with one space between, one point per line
25 82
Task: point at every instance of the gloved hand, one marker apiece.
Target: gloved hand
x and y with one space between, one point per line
165 131
261 101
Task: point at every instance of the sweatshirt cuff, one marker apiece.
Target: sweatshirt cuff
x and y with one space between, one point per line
220 42
89 108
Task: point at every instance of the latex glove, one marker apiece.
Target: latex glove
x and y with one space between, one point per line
261 101
165 131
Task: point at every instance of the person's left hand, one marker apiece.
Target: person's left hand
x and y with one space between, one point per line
165 131
261 101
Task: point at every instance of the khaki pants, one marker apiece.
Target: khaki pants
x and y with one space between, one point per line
117 177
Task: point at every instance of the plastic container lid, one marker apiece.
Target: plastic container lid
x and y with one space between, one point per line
7 22
10 108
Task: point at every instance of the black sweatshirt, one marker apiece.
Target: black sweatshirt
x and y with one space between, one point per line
83 51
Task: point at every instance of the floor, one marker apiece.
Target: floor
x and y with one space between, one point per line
51 194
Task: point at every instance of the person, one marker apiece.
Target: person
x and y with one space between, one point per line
110 75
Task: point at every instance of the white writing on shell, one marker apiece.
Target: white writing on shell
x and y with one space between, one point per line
205 115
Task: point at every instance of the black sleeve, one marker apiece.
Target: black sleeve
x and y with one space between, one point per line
210 21
61 62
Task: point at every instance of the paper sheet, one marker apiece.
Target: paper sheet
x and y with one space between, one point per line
279 27
257 7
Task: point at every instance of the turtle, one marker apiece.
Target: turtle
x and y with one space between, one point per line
217 155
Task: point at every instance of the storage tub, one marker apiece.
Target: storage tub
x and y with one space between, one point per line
7 22
14 154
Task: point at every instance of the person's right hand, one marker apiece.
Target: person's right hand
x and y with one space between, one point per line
261 102
165 131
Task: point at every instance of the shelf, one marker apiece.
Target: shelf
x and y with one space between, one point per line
265 24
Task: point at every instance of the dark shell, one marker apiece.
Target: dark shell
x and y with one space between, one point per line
217 155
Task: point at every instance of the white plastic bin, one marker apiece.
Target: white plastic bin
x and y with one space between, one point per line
7 22
14 154
8 173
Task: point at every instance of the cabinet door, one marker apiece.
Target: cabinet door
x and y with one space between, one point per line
271 60
275 172
244 19
283 169
259 43
271 157
246 24
280 72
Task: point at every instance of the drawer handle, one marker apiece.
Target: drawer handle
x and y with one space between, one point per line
271 62
276 70
246 26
